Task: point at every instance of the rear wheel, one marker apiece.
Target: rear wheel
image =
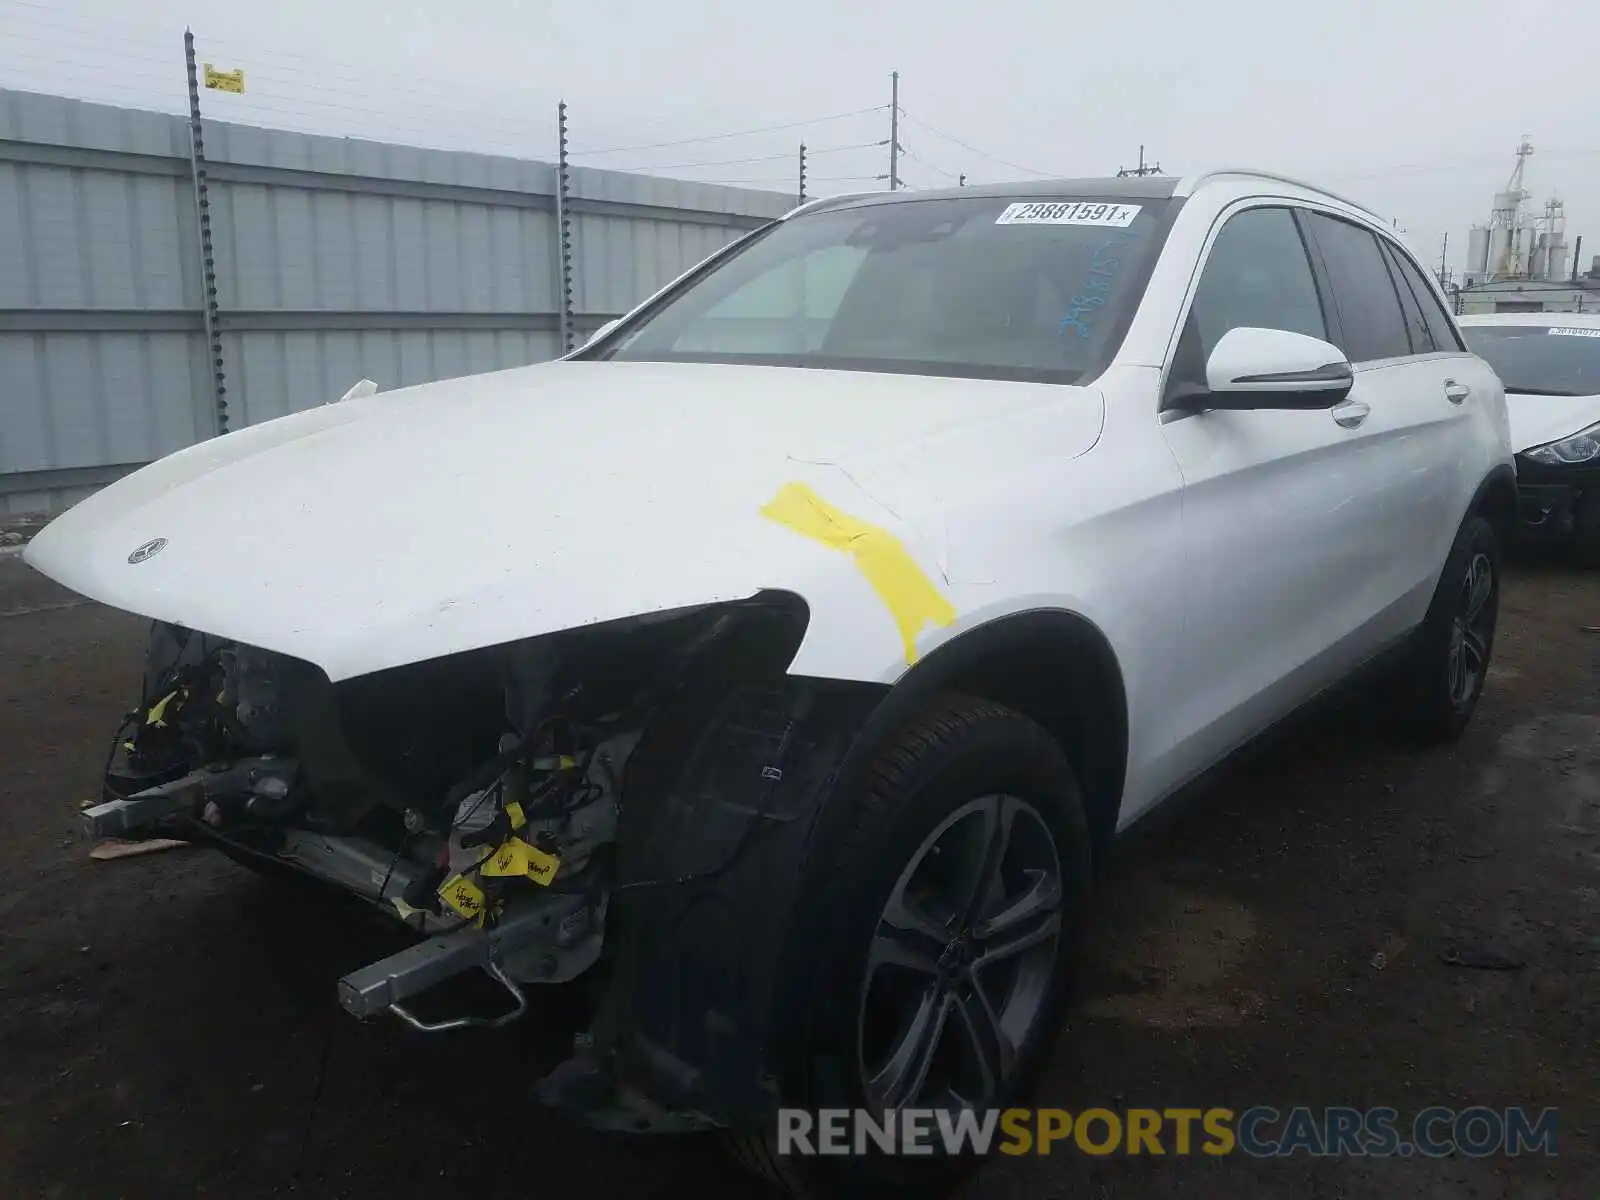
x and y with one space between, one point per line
1449 663
961 888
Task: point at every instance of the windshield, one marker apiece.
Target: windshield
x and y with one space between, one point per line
980 287
1540 360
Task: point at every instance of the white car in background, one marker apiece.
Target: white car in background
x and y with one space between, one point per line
784 662
1550 364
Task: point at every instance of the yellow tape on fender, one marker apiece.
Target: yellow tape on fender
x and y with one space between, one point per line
901 584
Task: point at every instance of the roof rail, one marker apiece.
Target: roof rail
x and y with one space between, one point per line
1189 183
823 202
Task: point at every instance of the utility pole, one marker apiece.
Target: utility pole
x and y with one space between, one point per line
802 172
1141 170
894 131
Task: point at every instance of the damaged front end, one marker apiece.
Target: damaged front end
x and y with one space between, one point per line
526 811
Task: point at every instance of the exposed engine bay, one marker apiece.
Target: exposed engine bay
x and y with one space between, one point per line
476 799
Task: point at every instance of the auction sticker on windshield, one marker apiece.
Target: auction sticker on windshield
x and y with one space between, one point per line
1071 212
1565 332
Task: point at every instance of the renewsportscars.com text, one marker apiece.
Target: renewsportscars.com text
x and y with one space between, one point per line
1260 1132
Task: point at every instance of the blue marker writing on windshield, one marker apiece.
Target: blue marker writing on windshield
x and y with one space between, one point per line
1102 273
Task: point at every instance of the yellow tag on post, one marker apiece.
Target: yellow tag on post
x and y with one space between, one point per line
463 896
224 81
518 859
515 815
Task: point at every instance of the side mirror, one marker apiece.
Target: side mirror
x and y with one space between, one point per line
602 331
1254 368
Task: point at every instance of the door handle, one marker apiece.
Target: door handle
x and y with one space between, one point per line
1350 413
1455 392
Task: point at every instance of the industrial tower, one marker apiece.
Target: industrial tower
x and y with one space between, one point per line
1516 244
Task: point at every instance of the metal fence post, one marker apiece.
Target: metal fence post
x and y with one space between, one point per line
208 261
564 233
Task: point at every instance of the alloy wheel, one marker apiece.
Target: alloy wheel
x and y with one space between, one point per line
1471 631
962 960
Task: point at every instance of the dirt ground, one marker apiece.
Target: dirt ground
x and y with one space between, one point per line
168 1024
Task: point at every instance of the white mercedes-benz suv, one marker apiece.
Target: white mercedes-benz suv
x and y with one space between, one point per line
782 663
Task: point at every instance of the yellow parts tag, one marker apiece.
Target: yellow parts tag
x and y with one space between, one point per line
515 815
516 859
463 896
156 718
904 588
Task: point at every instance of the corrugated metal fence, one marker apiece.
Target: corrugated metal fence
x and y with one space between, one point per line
335 260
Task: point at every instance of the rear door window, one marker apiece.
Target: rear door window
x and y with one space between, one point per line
1440 327
1372 322
1416 328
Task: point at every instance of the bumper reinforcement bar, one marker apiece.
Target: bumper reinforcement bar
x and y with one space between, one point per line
383 986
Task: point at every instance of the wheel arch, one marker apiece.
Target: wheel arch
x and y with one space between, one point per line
1054 666
1496 500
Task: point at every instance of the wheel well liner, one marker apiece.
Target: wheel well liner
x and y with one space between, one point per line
1496 499
1054 666
723 873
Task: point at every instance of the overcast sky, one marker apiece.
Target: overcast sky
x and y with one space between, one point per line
1412 106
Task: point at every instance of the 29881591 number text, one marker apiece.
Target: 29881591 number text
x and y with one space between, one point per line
1069 212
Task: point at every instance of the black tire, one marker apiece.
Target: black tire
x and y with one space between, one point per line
1584 551
960 767
1441 684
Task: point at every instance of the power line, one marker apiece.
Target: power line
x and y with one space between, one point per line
936 169
142 44
718 137
146 33
305 99
789 180
728 162
146 43
1458 165
973 149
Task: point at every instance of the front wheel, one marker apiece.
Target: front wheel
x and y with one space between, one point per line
1449 663
961 889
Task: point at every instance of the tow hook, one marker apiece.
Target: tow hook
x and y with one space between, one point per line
261 779
492 969
384 986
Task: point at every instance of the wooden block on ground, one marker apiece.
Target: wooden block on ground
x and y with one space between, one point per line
121 848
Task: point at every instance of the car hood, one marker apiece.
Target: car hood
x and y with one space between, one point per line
1536 420
450 516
